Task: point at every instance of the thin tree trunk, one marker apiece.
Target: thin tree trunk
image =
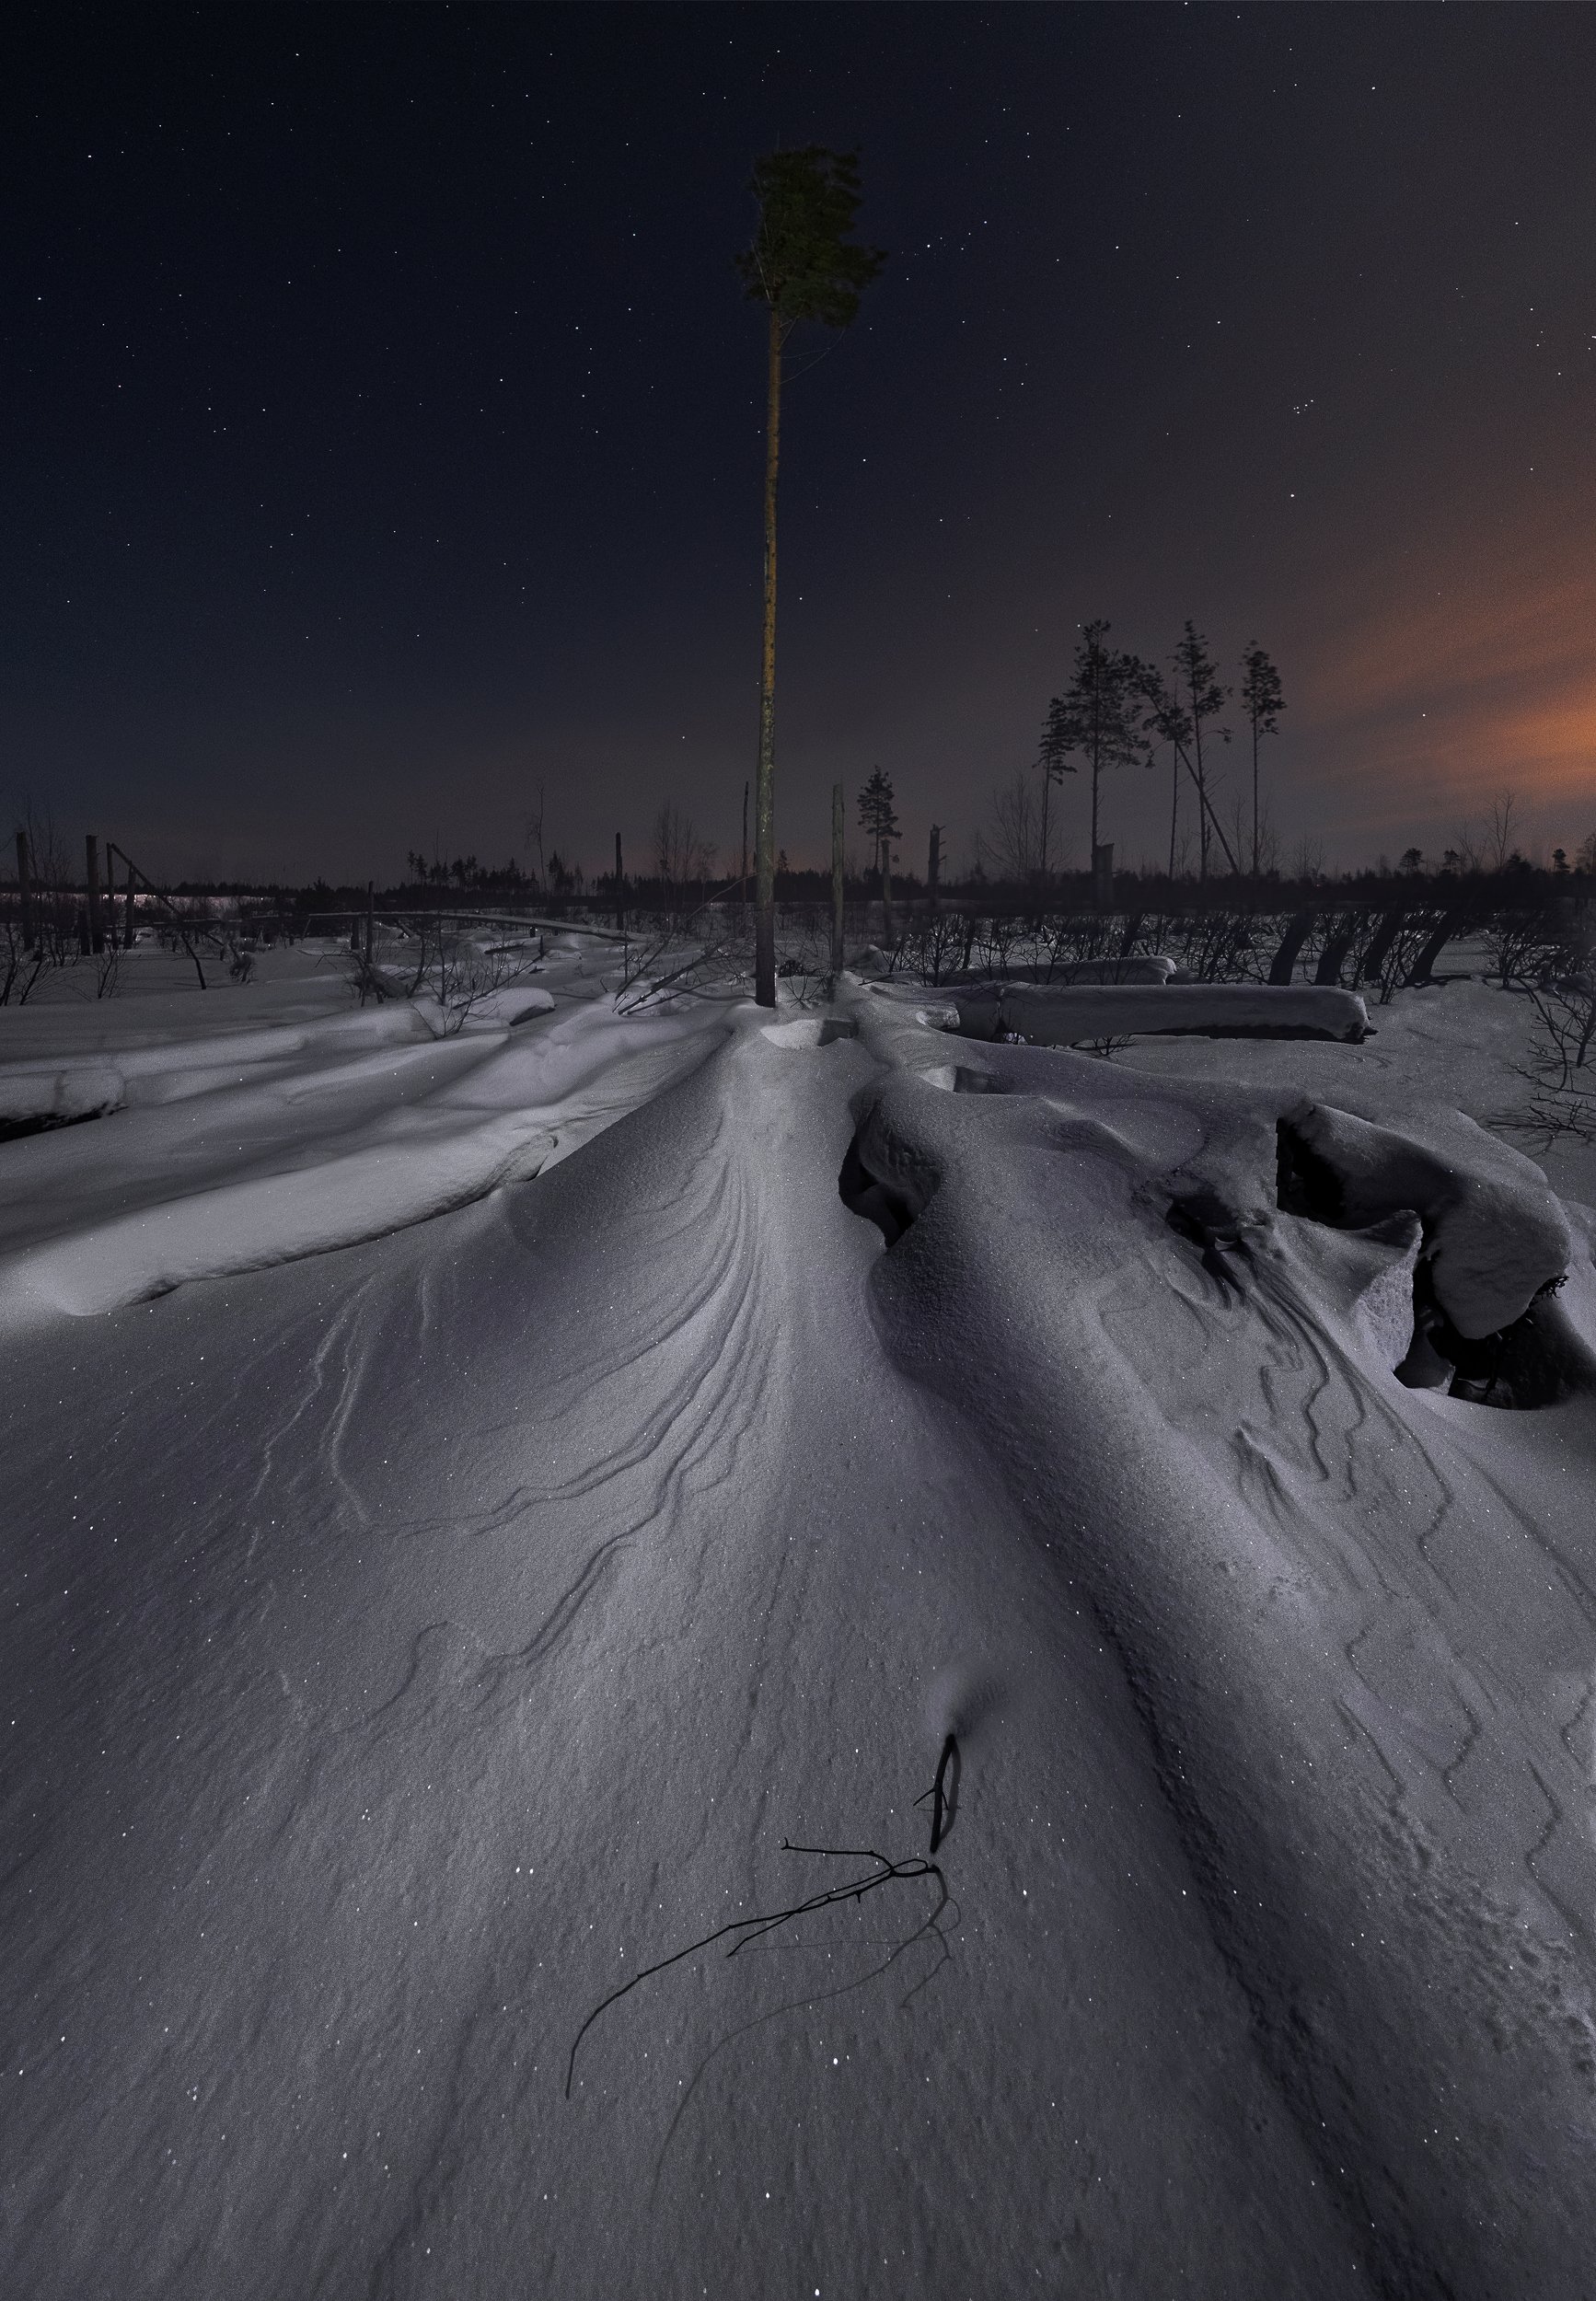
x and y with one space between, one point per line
764 801
887 890
25 890
1255 801
1299 929
1202 792
1174 807
1208 814
177 916
96 924
745 872
837 882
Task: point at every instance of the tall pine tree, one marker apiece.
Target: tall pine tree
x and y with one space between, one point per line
878 816
1263 697
801 266
1097 721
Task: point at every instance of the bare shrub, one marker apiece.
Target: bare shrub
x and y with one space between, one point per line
1524 947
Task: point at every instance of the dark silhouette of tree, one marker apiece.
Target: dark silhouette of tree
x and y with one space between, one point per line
1168 720
1197 680
1263 697
876 816
800 267
1098 720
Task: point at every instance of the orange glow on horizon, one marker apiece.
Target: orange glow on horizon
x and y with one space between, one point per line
1431 706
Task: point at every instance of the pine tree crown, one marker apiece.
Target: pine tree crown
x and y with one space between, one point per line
801 263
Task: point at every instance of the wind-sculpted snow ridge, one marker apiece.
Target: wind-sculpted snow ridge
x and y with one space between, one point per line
229 1152
421 1640
413 1646
1360 1621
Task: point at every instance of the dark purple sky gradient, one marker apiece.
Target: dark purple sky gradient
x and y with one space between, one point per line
383 421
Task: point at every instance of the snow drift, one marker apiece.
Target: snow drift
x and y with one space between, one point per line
408 1645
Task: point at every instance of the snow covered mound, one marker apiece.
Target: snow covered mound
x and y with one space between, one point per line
229 1149
944 1521
1358 1619
42 1098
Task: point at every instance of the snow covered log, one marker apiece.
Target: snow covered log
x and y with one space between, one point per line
1052 1015
1141 969
56 1098
1494 1234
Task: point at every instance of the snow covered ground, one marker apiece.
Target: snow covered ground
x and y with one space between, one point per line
470 1499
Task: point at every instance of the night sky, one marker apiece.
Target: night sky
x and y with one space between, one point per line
383 418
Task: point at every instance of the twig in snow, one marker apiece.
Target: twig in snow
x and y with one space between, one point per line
748 1930
943 1807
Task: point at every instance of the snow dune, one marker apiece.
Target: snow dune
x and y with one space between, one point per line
234 1150
407 1644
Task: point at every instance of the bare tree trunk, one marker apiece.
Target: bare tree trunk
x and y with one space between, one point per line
1374 958
836 886
1202 797
764 803
620 888
933 867
744 880
1208 816
886 926
95 920
1337 944
25 890
177 916
1174 807
1298 929
1254 804
538 837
